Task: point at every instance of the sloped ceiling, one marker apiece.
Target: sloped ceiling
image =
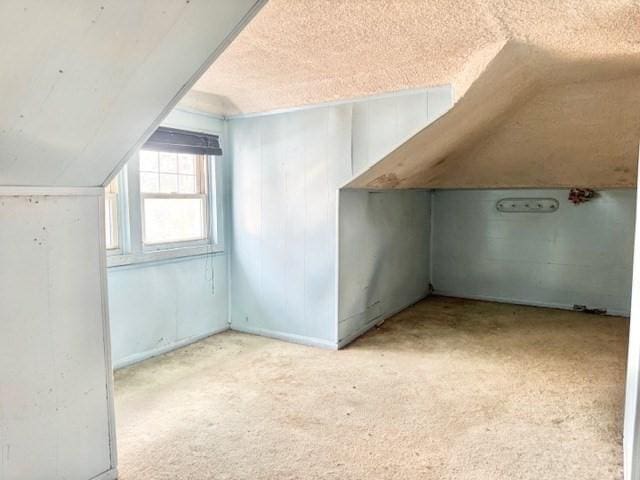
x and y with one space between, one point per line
532 118
547 91
300 52
84 82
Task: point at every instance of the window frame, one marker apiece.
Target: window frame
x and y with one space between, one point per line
133 250
202 176
122 215
115 222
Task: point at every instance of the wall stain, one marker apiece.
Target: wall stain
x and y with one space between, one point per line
387 180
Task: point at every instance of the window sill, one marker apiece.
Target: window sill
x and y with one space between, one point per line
120 260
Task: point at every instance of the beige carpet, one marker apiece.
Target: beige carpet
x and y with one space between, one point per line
449 389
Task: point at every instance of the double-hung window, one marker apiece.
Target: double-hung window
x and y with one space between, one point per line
165 204
173 196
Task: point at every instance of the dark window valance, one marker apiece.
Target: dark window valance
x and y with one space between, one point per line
180 141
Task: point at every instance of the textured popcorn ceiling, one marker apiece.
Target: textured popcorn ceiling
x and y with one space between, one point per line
299 52
548 92
531 119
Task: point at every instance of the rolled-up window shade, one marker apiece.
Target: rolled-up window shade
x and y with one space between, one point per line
180 141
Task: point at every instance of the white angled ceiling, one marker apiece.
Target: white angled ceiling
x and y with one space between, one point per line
83 82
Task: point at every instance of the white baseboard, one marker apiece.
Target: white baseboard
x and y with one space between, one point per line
376 322
488 298
111 474
139 357
287 337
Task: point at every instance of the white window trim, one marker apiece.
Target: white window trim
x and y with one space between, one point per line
121 216
133 251
114 231
160 255
204 187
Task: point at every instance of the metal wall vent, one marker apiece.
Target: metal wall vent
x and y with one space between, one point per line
527 205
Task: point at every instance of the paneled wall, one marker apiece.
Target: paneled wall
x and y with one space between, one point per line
55 378
286 172
384 263
287 169
156 307
382 124
577 255
159 306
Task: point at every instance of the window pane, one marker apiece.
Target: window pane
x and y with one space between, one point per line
186 163
187 183
168 183
111 221
168 162
173 219
148 161
149 182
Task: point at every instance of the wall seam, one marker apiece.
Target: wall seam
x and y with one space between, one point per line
432 202
227 165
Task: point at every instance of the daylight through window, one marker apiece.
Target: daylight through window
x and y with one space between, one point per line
111 215
173 194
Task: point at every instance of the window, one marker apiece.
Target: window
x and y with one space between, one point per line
111 215
173 196
164 204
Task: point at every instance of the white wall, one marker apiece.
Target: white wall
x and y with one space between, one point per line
287 169
384 254
577 255
55 378
631 435
158 306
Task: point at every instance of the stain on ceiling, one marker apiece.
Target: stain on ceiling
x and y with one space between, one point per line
532 118
301 52
547 92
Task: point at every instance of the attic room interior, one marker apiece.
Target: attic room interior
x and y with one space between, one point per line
252 239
